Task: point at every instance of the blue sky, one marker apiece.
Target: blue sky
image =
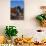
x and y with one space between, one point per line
15 3
17 0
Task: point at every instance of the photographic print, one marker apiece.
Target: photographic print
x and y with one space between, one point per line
17 10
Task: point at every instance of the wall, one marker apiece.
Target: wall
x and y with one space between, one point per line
28 26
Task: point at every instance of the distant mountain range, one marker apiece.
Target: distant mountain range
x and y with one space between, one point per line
17 13
18 8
